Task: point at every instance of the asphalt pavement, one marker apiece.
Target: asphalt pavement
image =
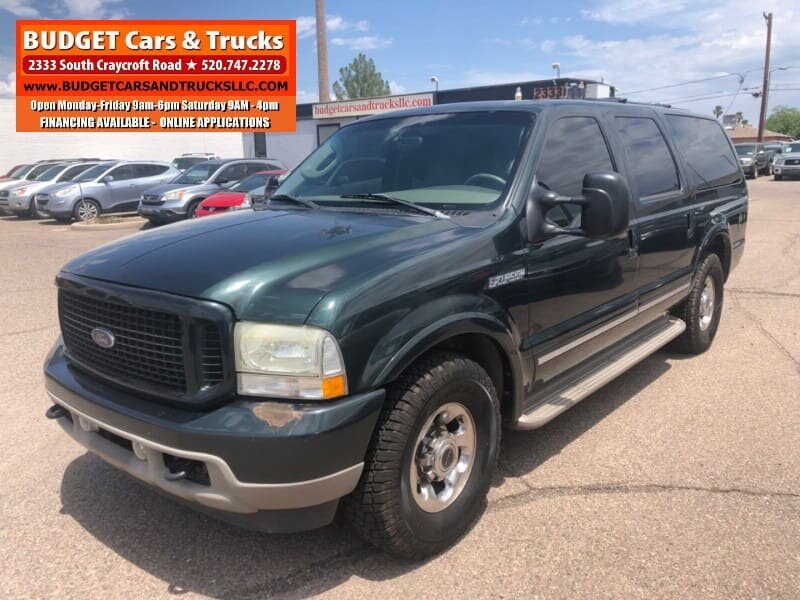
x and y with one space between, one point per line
679 479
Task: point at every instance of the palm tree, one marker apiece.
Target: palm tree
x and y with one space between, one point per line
718 111
740 118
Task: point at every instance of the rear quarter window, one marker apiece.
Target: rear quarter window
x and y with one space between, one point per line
709 159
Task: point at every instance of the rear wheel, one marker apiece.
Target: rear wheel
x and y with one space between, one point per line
431 460
702 310
86 210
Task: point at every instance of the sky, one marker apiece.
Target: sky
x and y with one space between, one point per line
698 54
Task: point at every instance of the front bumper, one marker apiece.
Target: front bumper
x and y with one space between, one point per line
171 210
786 169
19 203
260 459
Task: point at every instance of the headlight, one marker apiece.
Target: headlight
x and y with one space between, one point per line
19 191
173 195
779 160
285 361
246 203
66 191
747 161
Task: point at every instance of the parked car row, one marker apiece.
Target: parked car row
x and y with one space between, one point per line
83 189
181 197
780 160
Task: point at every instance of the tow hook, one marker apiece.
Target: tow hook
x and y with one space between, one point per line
170 476
56 412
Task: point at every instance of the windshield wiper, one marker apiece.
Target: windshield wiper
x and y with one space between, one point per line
406 203
288 198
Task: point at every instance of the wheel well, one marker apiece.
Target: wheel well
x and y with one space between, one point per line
488 354
721 248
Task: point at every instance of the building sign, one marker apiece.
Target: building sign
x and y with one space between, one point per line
156 75
370 106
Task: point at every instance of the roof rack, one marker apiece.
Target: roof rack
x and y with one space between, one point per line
626 101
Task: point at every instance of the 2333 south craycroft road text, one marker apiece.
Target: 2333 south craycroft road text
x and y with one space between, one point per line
134 40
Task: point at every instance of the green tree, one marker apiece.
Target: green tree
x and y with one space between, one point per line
360 79
785 120
718 111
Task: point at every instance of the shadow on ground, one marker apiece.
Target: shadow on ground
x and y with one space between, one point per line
193 553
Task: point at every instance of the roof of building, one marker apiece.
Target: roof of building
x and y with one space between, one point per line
748 132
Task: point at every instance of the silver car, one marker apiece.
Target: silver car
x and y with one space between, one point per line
20 198
787 163
107 187
180 198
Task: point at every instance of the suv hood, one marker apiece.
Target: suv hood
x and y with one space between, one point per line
168 187
31 187
270 265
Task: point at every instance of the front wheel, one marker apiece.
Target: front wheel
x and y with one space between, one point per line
191 210
431 460
34 212
702 309
777 177
86 210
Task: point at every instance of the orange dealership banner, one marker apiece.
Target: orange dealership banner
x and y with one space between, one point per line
156 75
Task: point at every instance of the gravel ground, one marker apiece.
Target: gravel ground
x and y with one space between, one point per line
679 479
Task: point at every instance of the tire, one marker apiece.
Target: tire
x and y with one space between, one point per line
386 509
86 210
754 174
34 212
777 177
701 326
192 208
156 222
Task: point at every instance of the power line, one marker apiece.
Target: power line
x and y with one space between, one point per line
698 98
672 85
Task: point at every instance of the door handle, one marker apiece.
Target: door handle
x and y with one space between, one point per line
691 222
633 243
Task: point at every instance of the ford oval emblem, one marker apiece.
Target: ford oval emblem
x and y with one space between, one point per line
103 337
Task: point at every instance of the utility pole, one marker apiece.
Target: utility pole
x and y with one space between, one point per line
322 53
765 87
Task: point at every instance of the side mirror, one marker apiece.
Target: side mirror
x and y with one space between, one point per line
604 203
273 182
108 179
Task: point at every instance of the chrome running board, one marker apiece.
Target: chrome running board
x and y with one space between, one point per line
570 388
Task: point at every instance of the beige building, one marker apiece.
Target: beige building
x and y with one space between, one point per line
748 133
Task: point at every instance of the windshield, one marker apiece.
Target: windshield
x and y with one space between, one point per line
197 174
249 184
72 172
93 173
791 148
184 162
20 171
37 170
745 150
462 161
48 174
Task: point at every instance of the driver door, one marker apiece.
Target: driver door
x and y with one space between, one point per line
577 285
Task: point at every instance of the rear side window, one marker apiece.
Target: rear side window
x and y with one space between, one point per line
150 170
709 159
651 163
